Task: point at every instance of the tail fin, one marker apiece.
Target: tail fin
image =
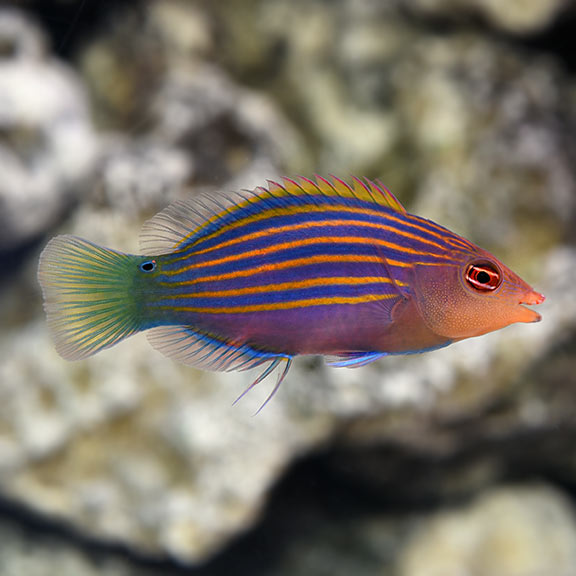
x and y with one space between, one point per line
88 295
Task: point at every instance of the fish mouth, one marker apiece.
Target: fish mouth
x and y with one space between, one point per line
530 299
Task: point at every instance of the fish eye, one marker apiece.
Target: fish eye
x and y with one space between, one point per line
483 276
148 266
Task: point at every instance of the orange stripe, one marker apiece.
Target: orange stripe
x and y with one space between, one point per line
294 285
283 305
310 260
340 189
304 242
454 241
279 192
443 232
316 224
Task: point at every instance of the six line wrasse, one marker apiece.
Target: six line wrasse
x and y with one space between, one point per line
299 267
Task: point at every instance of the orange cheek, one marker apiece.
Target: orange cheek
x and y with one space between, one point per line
450 310
469 316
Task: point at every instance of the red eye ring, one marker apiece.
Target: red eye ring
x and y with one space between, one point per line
483 276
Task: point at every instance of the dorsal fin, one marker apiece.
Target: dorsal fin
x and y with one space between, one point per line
184 222
361 188
166 231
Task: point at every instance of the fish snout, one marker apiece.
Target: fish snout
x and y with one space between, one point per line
531 298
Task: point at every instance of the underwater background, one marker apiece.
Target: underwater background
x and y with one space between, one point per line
461 461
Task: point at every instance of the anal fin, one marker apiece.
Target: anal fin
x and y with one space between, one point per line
203 351
183 344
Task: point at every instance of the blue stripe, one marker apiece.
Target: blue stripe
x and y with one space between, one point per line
201 239
330 290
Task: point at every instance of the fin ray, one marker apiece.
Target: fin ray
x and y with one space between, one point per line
182 223
352 359
186 345
87 295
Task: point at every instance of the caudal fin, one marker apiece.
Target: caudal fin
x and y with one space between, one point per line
88 295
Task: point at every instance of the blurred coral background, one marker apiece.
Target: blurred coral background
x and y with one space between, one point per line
457 462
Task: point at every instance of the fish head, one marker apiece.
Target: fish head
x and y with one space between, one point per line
471 295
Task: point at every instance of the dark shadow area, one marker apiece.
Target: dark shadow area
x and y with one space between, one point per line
70 24
329 492
558 41
12 261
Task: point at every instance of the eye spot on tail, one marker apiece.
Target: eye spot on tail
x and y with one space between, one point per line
148 266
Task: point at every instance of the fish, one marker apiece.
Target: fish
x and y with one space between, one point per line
301 266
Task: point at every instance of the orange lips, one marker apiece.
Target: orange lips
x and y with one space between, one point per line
532 298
